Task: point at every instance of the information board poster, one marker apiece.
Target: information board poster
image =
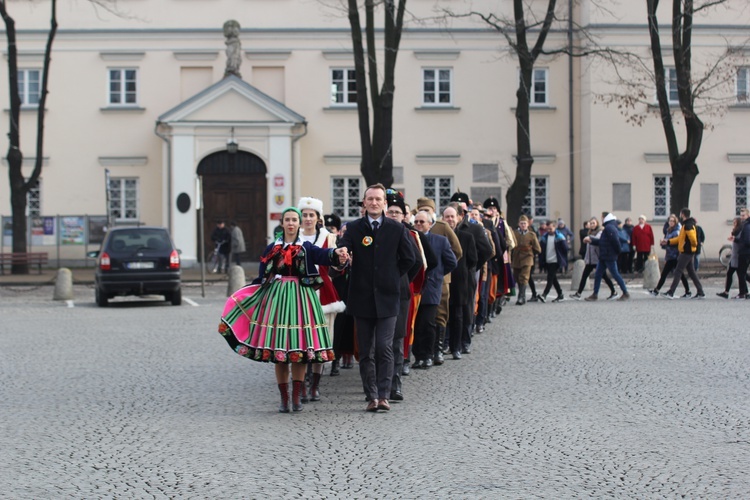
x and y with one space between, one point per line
72 230
42 231
97 228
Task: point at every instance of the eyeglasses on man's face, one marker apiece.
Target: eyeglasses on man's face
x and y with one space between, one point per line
395 212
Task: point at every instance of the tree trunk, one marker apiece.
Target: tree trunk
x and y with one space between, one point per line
524 161
684 173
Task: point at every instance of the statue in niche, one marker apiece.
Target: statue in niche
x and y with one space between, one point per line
234 48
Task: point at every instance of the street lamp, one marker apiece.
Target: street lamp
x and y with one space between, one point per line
232 145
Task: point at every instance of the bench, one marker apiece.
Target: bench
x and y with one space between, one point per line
20 258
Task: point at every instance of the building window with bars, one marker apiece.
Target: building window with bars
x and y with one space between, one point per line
437 86
539 87
123 199
343 87
29 86
439 190
536 203
346 196
34 201
673 95
662 195
123 87
743 84
740 193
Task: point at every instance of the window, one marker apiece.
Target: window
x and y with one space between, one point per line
436 86
740 193
743 84
671 82
122 87
346 195
539 87
537 200
29 86
343 86
662 195
123 199
438 189
33 201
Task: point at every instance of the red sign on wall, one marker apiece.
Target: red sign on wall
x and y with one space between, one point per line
278 181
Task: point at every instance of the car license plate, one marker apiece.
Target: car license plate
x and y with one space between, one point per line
140 265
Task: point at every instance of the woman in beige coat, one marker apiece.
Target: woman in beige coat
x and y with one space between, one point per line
527 245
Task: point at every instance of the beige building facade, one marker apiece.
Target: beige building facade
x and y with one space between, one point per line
139 102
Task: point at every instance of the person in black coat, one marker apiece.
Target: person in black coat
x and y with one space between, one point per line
461 294
381 252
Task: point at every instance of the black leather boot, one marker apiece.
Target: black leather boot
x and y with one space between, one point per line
314 392
284 390
297 387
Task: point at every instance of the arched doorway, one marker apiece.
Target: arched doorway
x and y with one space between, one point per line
234 188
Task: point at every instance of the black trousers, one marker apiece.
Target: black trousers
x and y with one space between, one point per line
552 268
743 264
455 327
425 329
375 339
399 333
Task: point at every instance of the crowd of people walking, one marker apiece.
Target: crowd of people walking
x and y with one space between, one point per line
399 289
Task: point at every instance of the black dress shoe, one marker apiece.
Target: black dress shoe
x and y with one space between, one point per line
418 364
456 354
335 369
397 396
427 362
466 350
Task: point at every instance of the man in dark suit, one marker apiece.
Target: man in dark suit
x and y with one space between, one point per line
460 292
381 251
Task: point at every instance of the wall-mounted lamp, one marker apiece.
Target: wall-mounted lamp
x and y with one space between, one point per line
232 145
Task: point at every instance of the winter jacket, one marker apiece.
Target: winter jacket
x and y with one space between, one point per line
744 237
591 258
643 238
687 240
624 240
672 251
609 242
561 250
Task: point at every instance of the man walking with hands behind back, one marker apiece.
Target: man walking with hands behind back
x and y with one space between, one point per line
381 251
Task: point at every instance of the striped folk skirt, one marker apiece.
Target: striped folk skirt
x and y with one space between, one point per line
278 322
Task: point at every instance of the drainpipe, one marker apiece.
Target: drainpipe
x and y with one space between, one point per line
571 137
165 138
296 138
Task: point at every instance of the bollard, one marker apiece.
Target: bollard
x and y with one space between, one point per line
651 273
575 280
63 285
236 279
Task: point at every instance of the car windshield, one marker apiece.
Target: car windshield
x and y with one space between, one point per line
133 240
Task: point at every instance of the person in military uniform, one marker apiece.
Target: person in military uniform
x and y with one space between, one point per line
527 245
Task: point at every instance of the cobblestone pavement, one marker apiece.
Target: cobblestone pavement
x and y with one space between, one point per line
643 399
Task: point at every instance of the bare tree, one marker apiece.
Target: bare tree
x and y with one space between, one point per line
530 21
706 91
376 145
19 187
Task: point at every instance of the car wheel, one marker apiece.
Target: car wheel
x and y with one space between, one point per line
101 298
175 297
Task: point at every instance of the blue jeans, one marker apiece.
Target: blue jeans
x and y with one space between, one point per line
611 266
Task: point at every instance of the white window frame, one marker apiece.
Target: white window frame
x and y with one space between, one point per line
741 183
436 80
742 85
34 200
24 82
662 201
438 188
536 203
123 92
349 77
671 85
535 73
120 194
347 193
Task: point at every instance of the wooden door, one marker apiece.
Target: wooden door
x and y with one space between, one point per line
234 188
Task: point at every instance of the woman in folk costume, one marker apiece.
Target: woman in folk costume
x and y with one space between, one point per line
314 232
279 318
